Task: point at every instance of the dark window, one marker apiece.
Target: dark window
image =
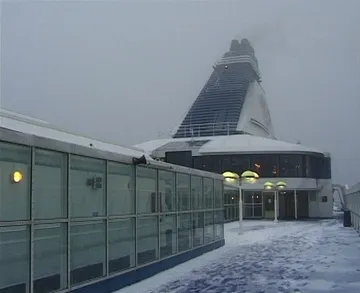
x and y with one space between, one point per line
203 163
231 196
320 167
307 166
291 166
226 164
183 158
314 166
208 163
325 168
265 165
239 163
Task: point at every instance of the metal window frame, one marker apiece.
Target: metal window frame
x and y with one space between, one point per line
68 220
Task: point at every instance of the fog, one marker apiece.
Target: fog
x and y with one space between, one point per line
127 71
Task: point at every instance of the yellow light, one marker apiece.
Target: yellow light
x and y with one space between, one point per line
281 185
268 185
249 177
230 180
17 177
230 176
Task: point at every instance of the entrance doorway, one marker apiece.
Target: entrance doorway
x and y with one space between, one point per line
286 205
253 204
268 202
302 204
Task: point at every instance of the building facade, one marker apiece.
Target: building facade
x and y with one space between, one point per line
77 218
229 128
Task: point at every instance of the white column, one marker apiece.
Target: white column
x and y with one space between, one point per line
275 206
240 211
295 198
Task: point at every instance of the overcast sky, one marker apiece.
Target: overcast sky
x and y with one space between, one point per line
126 71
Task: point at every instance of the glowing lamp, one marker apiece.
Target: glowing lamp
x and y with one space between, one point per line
230 177
281 185
268 185
249 176
17 176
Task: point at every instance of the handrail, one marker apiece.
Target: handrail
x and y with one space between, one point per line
238 59
352 203
208 129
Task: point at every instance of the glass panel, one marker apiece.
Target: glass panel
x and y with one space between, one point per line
203 163
197 193
226 164
258 206
167 191
268 201
167 235
14 197
14 259
325 172
315 166
236 212
147 242
291 166
239 163
247 196
198 228
87 187
257 197
146 190
184 232
248 204
121 244
209 193
50 258
121 191
308 171
219 224
265 165
209 227
219 187
227 214
87 253
231 196
50 185
183 191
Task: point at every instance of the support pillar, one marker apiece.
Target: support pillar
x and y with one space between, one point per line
240 211
275 206
295 198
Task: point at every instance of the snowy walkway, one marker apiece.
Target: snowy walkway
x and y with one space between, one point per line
311 257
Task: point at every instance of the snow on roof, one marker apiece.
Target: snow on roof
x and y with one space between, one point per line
10 114
234 144
41 128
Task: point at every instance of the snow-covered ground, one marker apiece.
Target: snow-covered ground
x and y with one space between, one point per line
288 257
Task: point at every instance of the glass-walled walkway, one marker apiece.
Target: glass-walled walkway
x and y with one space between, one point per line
67 219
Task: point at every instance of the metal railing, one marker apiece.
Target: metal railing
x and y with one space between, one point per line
239 59
352 203
207 129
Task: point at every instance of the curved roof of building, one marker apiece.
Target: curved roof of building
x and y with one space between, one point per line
245 144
